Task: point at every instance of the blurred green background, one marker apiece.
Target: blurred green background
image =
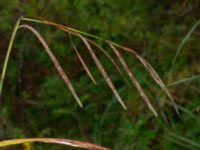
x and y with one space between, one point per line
41 106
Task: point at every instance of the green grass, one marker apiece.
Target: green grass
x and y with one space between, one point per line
159 32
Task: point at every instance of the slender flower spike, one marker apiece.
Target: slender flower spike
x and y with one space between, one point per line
133 79
55 62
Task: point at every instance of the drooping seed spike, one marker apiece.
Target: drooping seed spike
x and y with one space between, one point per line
103 72
55 62
133 79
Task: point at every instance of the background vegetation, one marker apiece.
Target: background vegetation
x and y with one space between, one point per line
40 104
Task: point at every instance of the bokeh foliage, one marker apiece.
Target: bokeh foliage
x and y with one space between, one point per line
43 106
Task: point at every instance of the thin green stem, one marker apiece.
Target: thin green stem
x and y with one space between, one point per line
8 54
180 47
184 41
184 80
71 29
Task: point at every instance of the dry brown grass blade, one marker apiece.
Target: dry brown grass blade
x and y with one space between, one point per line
82 61
151 71
133 79
67 142
102 70
55 62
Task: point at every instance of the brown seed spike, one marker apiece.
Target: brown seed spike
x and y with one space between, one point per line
55 62
109 57
152 72
82 61
102 70
133 79
100 48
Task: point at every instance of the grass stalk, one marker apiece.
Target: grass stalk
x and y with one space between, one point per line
184 40
66 142
8 54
